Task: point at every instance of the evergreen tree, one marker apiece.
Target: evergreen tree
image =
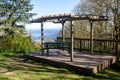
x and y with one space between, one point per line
15 11
12 14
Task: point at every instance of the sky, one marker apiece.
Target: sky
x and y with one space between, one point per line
50 7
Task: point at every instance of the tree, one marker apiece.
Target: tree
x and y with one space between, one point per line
102 7
79 27
13 12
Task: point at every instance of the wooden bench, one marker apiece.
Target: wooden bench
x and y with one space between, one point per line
56 45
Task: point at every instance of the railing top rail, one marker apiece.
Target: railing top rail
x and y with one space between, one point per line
93 39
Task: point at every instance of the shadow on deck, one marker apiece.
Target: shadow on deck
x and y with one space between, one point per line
83 63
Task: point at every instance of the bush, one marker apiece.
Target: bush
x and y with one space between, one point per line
16 43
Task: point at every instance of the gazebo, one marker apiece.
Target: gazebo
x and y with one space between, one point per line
62 18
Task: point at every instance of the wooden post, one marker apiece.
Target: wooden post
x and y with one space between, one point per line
91 37
63 38
71 34
116 45
42 39
116 21
80 45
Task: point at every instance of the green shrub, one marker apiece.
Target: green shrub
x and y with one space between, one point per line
17 43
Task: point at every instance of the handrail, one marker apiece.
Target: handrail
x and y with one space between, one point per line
99 45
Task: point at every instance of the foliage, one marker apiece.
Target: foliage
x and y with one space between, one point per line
14 11
12 14
80 30
109 29
16 43
49 39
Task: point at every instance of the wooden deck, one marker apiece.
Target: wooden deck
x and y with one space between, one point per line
83 62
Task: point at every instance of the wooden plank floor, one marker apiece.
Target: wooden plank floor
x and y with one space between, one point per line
83 62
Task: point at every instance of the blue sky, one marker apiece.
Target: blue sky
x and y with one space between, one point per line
50 7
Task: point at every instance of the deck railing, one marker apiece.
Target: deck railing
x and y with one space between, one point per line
99 45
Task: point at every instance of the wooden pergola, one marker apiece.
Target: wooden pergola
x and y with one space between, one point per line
62 18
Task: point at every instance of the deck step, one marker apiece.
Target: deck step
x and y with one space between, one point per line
83 64
105 64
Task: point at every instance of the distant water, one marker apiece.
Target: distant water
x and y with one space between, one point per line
48 33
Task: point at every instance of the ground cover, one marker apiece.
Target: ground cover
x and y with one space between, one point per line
13 67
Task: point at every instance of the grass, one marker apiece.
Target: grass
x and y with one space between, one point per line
14 68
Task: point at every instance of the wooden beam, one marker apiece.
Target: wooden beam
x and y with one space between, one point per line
71 34
91 37
42 38
68 17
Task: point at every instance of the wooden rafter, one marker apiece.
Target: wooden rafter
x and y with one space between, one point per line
67 17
